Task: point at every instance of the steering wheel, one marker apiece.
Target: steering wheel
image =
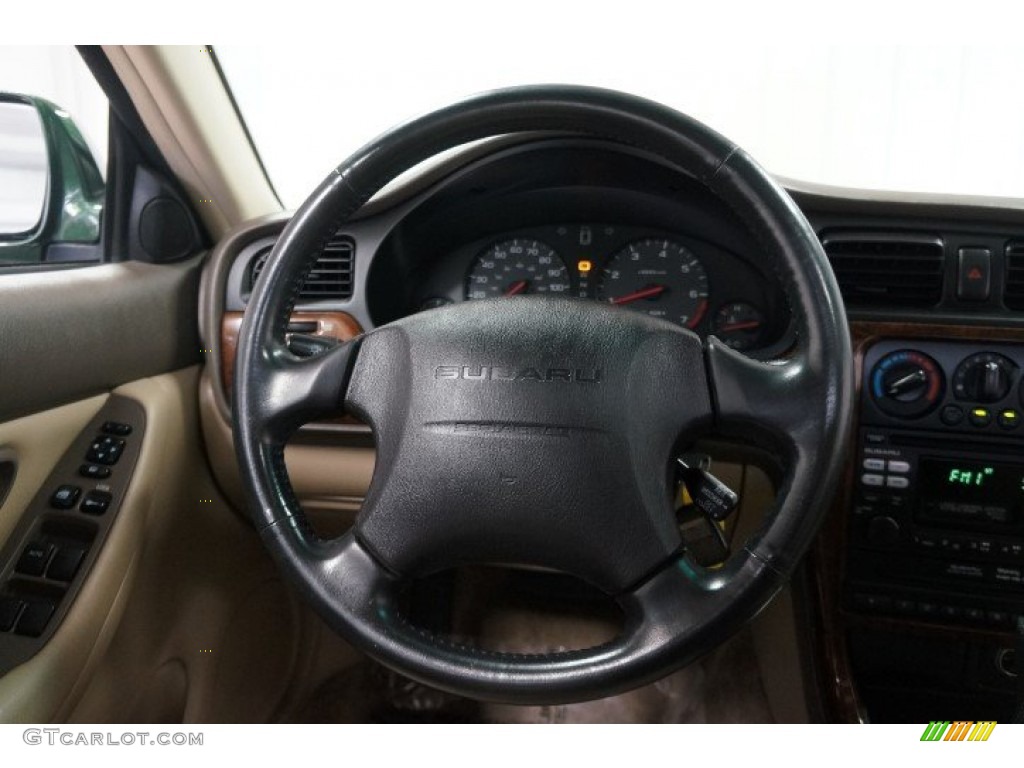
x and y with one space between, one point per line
539 431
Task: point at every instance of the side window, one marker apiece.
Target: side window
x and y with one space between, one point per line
53 146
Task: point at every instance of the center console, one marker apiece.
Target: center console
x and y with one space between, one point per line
935 539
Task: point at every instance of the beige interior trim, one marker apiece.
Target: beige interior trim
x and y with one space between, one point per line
37 442
774 630
183 104
321 475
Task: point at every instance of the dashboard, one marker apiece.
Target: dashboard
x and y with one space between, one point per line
910 591
565 218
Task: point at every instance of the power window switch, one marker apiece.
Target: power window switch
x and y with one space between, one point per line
34 558
34 618
95 502
65 563
10 607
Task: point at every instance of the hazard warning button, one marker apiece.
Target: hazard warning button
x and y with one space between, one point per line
974 274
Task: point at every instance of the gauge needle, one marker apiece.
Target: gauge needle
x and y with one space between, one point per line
643 293
748 325
517 287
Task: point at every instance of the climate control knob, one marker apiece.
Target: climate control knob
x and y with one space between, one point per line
984 378
907 384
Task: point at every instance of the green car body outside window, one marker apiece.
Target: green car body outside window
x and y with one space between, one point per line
73 205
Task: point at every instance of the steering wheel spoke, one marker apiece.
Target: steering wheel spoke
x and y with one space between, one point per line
777 396
296 390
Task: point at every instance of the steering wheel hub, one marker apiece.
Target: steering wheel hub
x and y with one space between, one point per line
527 431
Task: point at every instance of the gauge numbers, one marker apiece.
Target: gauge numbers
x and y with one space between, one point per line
660 278
517 267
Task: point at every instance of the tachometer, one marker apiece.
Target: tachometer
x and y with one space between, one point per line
515 267
659 277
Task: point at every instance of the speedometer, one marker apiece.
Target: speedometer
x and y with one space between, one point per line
658 277
516 267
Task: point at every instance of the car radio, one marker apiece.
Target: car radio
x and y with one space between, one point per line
937 518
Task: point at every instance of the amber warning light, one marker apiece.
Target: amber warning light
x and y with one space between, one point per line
584 266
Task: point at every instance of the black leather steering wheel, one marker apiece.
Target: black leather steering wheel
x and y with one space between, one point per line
539 430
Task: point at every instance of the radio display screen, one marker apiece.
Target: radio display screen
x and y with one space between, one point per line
982 492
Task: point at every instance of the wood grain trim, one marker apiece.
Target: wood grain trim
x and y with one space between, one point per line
340 325
827 558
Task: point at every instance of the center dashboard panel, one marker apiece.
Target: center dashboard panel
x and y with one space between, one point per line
935 532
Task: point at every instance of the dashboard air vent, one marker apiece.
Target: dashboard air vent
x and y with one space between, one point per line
330 278
886 270
1013 296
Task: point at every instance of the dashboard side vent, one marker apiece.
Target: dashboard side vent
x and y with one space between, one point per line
886 269
1013 294
330 278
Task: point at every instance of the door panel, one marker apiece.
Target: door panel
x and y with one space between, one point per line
68 334
68 339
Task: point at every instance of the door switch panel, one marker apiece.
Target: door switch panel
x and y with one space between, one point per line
61 534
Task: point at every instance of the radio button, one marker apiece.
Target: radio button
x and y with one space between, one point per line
949 612
872 480
952 415
980 417
974 614
980 546
904 606
951 545
872 602
874 465
998 617
899 467
897 482
1011 550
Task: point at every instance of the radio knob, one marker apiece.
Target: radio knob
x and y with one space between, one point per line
984 378
883 531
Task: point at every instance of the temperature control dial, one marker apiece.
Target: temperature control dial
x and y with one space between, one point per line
984 378
907 384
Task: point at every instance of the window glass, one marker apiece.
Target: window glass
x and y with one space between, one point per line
918 119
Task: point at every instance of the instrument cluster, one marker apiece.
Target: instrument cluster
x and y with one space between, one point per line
663 274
